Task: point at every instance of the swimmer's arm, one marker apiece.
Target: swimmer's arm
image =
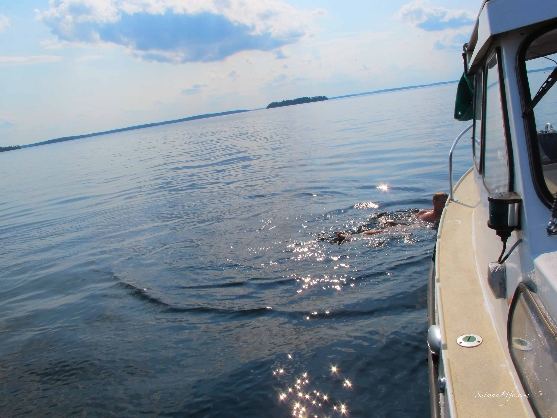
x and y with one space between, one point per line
372 231
423 212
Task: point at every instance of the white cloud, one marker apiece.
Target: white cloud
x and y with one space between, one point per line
7 121
421 14
233 75
196 88
180 31
279 81
280 55
4 22
36 59
452 40
89 58
450 28
54 44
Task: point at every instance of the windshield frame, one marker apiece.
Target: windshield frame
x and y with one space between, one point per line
526 97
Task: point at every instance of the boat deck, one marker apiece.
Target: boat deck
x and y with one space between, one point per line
479 378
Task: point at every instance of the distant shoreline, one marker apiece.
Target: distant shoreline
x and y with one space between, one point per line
10 148
211 115
132 128
440 83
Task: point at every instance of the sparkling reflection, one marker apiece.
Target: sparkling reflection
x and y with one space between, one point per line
327 282
306 399
366 205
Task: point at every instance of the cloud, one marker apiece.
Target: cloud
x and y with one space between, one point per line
37 59
196 88
421 14
4 23
6 121
280 55
179 31
233 75
279 81
280 78
89 58
452 41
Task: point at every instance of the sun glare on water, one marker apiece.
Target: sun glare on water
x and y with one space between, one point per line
383 187
304 397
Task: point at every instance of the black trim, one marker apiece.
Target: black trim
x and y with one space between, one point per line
536 170
503 92
484 104
503 102
545 87
532 302
479 161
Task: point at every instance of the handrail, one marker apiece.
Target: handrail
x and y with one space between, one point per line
451 161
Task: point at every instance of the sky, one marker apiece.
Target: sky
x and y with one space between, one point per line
71 67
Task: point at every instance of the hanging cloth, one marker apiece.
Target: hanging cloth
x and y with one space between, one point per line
464 103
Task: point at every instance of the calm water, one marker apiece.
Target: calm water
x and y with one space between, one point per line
185 270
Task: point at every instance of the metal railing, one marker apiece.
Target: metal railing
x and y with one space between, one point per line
451 197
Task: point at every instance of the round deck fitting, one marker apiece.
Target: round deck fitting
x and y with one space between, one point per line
469 340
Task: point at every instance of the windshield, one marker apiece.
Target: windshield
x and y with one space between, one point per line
541 64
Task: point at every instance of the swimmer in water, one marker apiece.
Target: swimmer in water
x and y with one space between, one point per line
434 215
389 223
427 215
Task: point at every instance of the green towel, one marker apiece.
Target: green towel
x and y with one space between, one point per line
464 103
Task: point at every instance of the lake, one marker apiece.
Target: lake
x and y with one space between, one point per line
190 269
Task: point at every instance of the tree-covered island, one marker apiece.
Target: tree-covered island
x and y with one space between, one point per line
10 148
299 100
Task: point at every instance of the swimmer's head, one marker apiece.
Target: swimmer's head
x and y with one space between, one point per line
439 200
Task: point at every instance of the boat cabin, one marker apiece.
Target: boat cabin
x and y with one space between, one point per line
494 283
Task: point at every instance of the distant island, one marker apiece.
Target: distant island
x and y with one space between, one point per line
11 148
299 100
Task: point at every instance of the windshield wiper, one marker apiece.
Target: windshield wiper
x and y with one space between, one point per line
547 84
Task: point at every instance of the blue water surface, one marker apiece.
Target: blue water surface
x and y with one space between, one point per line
189 269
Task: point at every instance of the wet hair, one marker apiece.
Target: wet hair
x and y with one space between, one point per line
439 195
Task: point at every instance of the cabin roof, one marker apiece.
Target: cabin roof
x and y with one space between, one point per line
499 16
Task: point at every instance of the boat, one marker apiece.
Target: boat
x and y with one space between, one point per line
492 292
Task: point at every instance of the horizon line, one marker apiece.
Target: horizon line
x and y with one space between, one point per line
210 115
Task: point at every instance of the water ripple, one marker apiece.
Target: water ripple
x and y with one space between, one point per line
177 270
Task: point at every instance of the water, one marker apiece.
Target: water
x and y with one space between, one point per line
178 270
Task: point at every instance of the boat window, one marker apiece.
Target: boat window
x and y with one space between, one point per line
541 106
496 161
476 137
533 349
